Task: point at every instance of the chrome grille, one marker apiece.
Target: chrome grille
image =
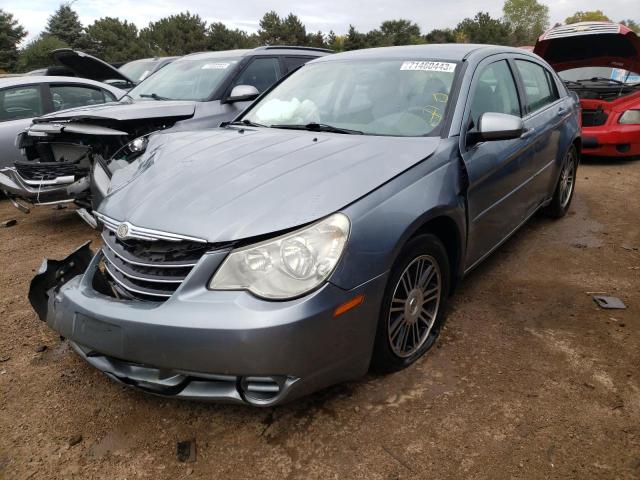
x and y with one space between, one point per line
581 29
147 269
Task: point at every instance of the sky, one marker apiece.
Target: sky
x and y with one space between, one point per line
323 15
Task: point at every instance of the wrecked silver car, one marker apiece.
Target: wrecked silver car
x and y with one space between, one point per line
321 233
194 92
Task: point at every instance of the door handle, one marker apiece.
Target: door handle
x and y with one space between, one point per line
562 111
527 133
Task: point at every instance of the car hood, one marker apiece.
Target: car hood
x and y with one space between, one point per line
122 111
86 66
228 184
590 44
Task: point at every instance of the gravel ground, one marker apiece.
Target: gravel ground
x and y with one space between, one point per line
530 379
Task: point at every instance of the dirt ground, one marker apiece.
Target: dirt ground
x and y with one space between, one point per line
530 379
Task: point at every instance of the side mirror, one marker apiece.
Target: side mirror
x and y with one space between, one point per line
496 126
242 93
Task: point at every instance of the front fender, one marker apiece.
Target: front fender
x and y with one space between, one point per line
383 221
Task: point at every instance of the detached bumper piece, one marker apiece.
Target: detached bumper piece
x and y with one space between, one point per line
52 274
258 391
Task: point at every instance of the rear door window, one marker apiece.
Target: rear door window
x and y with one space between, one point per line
20 102
538 83
71 96
261 73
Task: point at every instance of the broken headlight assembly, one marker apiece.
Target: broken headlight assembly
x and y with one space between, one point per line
630 117
131 150
288 266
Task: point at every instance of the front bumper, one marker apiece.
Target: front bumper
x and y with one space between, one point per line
611 140
45 192
209 345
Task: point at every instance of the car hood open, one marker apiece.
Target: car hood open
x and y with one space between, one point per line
123 111
87 66
228 184
590 44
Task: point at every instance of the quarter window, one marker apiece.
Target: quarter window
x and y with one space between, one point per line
495 92
20 102
538 85
70 96
291 63
261 73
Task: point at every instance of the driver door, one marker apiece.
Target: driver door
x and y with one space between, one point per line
495 169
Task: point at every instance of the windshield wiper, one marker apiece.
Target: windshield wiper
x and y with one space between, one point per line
573 82
318 127
602 79
244 122
155 96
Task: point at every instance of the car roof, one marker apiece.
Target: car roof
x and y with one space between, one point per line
440 51
266 50
36 79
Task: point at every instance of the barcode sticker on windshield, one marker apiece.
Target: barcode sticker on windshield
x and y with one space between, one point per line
429 66
215 66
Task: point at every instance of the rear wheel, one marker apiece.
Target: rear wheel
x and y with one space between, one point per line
413 305
566 185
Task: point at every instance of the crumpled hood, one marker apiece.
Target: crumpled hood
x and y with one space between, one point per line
227 184
590 44
122 111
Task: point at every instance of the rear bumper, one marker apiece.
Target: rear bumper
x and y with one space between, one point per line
206 345
39 193
611 140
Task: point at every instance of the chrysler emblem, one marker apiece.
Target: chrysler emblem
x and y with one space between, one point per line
122 231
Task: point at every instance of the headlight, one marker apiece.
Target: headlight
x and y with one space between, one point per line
287 266
132 150
630 117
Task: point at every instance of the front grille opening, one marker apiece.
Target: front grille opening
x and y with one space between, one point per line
146 270
593 117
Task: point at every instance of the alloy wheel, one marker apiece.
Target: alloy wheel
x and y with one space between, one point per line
414 306
567 179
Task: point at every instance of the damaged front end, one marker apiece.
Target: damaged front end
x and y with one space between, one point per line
61 152
53 274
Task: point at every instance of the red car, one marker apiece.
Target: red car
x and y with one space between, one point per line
600 62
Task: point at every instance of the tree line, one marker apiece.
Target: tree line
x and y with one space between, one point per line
115 40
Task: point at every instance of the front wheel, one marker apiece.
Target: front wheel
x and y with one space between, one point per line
413 304
566 185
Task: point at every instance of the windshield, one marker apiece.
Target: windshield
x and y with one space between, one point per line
375 97
185 79
601 73
139 69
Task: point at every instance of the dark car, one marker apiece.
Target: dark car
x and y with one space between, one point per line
600 62
322 232
138 70
194 92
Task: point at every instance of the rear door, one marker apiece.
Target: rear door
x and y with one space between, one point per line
544 110
496 170
18 105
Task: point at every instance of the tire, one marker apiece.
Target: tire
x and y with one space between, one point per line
416 322
561 200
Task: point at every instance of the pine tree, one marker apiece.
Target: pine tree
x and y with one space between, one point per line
65 25
11 34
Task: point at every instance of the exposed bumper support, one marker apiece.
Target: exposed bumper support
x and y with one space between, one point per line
44 193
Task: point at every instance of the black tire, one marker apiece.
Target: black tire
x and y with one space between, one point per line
559 205
418 252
